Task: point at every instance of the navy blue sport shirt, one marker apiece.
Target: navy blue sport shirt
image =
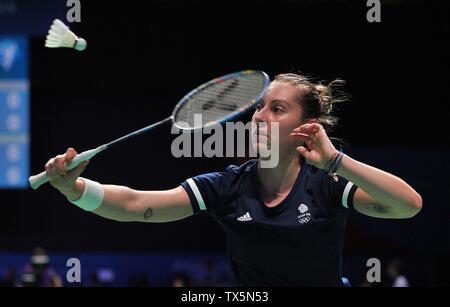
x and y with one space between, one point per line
296 243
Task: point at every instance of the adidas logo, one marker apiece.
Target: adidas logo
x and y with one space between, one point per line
245 218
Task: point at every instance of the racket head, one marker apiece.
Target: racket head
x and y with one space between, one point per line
221 99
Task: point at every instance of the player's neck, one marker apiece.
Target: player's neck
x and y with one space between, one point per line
279 180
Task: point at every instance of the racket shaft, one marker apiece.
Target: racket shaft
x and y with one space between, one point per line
37 180
140 131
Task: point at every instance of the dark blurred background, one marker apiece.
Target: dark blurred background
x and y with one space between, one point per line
142 57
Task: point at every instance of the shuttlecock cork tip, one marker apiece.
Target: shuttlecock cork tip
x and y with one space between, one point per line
80 44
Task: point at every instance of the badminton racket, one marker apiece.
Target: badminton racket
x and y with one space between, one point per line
217 101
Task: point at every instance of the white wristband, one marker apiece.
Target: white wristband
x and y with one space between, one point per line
92 196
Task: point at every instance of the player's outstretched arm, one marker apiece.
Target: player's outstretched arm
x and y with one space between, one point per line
115 202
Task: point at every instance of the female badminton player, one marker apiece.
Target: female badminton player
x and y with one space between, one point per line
284 225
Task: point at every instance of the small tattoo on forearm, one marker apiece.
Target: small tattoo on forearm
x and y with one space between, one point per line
378 208
148 213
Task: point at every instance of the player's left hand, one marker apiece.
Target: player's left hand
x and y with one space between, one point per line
320 149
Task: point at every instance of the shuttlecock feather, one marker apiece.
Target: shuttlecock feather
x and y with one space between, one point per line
60 35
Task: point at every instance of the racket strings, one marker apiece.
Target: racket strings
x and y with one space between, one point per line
221 99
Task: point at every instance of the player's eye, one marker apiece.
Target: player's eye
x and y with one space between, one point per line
278 109
259 106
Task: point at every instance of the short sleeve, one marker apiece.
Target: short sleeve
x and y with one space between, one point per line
340 192
208 192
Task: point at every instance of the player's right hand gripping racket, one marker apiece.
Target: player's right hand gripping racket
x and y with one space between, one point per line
219 100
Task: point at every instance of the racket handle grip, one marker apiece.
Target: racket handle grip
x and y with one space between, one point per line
37 180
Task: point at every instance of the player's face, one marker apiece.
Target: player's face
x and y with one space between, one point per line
281 105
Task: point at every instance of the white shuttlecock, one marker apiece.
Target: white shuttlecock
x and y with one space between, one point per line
60 35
